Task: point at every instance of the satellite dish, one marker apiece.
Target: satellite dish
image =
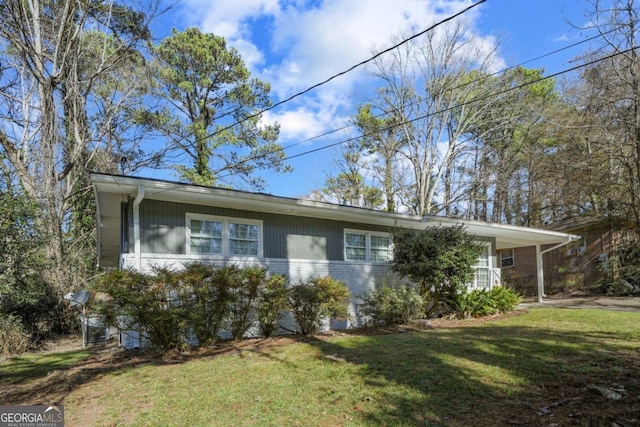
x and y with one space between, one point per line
79 298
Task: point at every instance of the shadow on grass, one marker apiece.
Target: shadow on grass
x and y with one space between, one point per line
47 378
497 373
493 375
21 369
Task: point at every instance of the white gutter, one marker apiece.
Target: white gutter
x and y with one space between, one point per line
136 228
540 266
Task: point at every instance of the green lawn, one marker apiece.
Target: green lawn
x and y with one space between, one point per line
537 368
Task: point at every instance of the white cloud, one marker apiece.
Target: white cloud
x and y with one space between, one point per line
227 18
312 41
298 43
296 125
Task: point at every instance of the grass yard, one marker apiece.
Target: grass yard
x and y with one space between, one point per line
546 366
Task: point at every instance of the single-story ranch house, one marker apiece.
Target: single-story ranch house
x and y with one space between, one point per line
148 222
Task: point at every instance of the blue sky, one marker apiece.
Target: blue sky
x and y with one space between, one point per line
294 44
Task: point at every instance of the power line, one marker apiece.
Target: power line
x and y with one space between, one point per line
384 113
472 101
335 76
332 131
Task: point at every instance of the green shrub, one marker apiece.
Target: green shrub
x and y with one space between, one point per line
13 337
35 304
273 300
617 287
206 292
148 303
393 306
482 302
316 299
439 260
245 297
506 299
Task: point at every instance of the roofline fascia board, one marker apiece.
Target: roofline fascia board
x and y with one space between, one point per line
235 199
164 190
503 227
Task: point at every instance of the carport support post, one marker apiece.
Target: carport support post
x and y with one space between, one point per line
540 266
540 272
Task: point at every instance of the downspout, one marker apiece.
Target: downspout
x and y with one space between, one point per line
98 228
540 266
136 228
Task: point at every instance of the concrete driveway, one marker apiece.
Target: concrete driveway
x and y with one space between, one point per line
604 303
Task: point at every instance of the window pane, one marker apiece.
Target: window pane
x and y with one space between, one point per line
482 278
356 254
506 262
206 228
206 236
355 247
206 245
483 259
357 240
379 248
243 239
243 247
506 258
243 231
379 255
196 226
379 242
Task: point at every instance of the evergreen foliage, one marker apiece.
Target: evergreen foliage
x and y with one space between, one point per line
169 307
483 302
273 301
315 300
439 260
245 299
207 291
14 338
393 306
147 303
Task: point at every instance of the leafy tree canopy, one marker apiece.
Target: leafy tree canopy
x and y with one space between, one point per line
213 111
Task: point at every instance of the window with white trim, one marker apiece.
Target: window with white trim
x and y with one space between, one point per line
506 258
482 279
212 235
367 246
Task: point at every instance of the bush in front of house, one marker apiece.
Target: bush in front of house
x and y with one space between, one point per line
147 303
206 292
245 293
273 300
168 307
392 306
316 299
485 302
439 260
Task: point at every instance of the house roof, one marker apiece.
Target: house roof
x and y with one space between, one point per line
111 188
577 223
